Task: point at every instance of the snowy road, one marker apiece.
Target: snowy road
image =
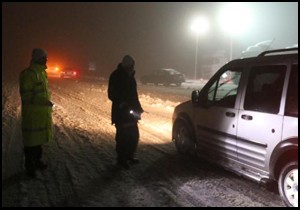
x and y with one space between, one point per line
81 159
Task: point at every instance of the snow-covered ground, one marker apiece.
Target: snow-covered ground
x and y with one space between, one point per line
81 158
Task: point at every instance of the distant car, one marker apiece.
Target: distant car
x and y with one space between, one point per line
163 76
69 73
53 71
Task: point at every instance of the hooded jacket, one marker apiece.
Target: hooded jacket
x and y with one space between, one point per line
36 110
122 91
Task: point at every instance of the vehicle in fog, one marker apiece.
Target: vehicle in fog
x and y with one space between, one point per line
163 76
256 49
69 72
247 122
53 71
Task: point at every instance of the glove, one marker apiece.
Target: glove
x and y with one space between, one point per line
136 115
49 103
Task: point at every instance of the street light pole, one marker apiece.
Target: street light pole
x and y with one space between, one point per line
196 57
234 18
199 27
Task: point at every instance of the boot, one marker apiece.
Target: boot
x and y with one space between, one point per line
41 166
123 163
134 161
30 168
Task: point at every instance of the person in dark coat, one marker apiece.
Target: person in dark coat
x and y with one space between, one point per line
126 110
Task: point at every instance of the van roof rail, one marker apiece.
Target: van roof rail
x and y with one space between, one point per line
277 51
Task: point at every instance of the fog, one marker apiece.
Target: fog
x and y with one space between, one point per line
156 34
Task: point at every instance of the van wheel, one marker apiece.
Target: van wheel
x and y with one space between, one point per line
288 184
183 139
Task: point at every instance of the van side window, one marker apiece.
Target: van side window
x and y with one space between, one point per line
291 107
223 91
264 88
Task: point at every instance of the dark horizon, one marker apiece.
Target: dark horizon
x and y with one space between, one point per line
156 34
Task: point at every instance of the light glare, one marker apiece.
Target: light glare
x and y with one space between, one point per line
200 25
235 18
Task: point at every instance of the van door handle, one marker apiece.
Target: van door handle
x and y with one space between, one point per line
247 117
230 114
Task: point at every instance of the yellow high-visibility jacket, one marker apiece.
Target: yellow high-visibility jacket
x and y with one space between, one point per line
36 111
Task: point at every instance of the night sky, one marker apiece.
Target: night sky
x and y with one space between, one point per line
155 34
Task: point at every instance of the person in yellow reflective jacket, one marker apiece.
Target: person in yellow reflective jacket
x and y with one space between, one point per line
36 111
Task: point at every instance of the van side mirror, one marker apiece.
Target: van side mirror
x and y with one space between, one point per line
195 96
198 97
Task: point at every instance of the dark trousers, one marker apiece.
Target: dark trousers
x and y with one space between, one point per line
127 138
33 156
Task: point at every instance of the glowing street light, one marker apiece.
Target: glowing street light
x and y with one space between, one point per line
235 18
199 26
